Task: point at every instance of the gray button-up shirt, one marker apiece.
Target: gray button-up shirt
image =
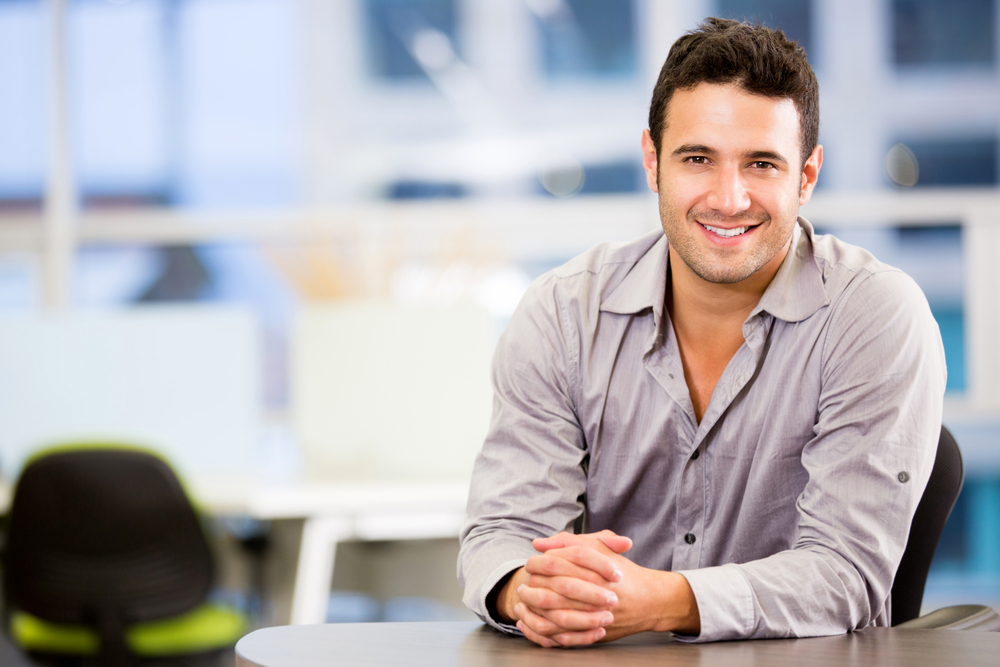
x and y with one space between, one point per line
793 516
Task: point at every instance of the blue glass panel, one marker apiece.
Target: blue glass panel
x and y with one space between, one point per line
609 178
955 161
951 321
952 32
425 190
793 17
392 24
23 112
119 78
587 38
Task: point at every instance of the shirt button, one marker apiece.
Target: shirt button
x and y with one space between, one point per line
689 538
694 457
903 477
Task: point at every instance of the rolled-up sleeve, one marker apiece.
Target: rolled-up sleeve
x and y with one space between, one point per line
875 438
528 480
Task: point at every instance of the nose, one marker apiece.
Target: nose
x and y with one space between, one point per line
728 194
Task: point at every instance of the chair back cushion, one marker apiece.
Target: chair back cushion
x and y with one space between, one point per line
106 531
932 513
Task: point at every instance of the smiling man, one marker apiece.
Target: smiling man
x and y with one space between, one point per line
721 430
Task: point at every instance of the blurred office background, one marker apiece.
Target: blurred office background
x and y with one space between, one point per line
293 172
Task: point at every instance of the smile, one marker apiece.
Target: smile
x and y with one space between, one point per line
728 233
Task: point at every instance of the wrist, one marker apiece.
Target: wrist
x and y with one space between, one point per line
508 598
678 608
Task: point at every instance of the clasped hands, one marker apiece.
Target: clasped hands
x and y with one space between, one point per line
580 590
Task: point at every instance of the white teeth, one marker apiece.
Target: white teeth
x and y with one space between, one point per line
727 233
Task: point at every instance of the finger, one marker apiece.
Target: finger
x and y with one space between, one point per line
554 621
580 638
535 637
576 589
557 563
617 543
543 598
605 538
590 559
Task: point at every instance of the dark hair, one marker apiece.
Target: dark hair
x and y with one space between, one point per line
760 60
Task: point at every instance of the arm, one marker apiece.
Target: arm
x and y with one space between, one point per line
879 415
528 480
528 483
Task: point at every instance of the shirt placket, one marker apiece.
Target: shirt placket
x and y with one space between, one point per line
690 534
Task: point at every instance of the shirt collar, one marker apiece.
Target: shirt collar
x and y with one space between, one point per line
644 286
797 289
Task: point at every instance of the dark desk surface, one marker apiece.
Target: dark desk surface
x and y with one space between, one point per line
473 644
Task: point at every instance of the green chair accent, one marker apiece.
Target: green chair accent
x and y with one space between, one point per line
207 628
106 559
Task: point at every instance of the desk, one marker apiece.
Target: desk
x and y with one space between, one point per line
333 512
475 645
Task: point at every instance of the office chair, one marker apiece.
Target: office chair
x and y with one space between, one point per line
105 558
932 513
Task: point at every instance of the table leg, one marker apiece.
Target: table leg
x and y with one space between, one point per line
314 575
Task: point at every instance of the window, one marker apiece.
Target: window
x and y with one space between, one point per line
396 29
586 38
944 162
22 104
956 32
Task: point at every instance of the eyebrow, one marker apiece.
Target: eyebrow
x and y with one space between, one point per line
693 148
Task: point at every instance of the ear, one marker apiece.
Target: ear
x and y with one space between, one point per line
649 161
810 172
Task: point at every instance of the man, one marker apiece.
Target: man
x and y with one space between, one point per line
736 418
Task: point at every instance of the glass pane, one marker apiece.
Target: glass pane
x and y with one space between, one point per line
190 103
793 17
119 92
586 38
944 162
393 30
953 32
19 281
23 113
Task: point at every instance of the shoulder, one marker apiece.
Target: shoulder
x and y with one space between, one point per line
877 312
856 280
587 280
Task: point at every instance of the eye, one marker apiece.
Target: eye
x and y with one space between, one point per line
762 165
696 159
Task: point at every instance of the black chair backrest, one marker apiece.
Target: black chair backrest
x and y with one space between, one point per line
104 537
932 513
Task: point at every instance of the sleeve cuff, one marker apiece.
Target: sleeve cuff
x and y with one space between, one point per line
491 581
725 604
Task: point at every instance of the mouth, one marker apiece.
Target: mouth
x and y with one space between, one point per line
728 233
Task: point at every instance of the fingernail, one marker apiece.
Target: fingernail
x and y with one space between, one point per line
607 620
520 588
518 608
612 600
616 575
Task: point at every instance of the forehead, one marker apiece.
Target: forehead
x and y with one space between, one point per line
728 112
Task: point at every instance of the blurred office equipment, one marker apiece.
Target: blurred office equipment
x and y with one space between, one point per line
106 558
391 392
182 379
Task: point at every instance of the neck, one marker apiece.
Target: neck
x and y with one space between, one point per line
712 310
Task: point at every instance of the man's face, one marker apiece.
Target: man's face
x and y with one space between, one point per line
729 180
